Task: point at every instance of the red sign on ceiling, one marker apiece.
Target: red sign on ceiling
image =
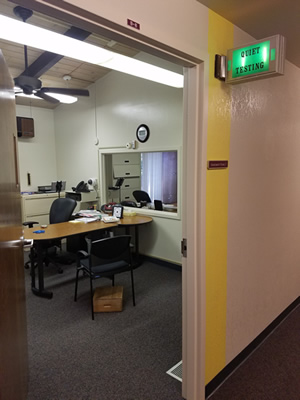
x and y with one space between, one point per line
133 24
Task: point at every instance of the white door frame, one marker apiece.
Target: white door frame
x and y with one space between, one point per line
193 229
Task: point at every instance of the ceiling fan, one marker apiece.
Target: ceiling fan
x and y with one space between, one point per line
28 83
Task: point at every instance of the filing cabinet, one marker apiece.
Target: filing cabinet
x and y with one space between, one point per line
127 166
36 207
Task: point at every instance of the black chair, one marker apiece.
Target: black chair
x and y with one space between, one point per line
128 203
31 254
141 196
60 211
117 186
105 258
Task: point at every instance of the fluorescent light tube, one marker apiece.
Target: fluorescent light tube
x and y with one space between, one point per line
33 36
63 98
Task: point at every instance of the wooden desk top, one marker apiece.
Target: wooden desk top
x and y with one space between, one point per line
65 229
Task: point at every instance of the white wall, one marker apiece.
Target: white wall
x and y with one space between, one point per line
264 194
181 24
37 155
77 155
125 102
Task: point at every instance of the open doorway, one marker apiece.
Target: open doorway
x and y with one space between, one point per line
192 170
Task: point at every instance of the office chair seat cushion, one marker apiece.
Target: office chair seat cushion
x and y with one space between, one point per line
104 269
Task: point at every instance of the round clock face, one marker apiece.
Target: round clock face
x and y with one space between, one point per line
142 133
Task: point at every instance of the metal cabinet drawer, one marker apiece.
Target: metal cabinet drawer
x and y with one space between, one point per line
125 159
123 171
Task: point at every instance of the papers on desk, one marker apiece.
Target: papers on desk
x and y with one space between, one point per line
85 219
110 219
88 213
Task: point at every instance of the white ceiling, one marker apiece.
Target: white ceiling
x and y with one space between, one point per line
263 18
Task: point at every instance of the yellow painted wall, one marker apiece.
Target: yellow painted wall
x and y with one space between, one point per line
220 38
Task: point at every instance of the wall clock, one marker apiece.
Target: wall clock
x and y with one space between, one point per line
142 133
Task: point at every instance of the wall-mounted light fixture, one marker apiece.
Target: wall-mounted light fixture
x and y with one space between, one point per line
220 67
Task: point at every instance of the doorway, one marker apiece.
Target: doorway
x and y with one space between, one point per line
193 210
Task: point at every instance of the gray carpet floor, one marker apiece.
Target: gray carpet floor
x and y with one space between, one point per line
118 356
272 372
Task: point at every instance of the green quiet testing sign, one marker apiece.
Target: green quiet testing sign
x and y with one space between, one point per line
250 60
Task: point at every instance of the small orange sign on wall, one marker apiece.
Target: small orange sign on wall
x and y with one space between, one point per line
217 164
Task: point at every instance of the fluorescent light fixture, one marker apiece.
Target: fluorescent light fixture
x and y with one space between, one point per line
63 98
33 36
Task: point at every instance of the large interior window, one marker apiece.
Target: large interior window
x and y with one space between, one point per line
159 175
155 172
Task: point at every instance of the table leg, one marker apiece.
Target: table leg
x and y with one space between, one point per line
40 291
136 260
137 251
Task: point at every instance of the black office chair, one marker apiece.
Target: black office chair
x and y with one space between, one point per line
30 224
117 186
60 211
128 203
105 258
141 197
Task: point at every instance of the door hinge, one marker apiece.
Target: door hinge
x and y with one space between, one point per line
184 247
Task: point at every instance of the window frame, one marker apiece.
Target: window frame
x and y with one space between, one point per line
142 211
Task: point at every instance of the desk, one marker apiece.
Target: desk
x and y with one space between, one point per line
67 229
56 231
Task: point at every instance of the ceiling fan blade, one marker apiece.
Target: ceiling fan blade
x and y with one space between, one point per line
44 96
66 91
46 60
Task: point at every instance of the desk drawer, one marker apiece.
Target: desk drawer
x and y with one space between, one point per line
38 206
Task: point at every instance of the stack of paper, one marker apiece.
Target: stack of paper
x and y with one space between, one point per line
87 219
110 219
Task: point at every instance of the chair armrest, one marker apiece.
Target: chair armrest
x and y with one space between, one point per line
82 254
30 223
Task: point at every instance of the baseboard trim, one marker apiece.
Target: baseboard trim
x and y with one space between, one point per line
164 263
237 361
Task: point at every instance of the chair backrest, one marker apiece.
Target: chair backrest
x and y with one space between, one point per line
111 248
140 195
61 210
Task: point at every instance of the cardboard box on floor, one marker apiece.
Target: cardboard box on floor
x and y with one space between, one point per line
108 299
